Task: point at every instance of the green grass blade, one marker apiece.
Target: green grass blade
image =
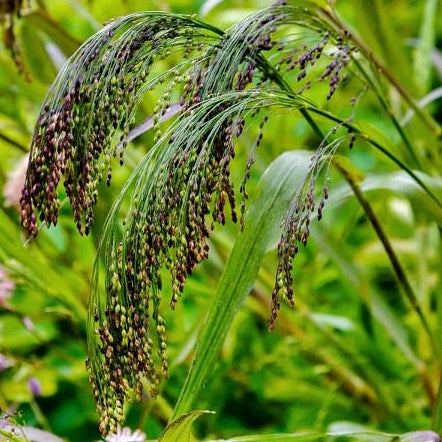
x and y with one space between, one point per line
357 282
299 437
437 413
180 429
267 209
358 433
34 267
422 59
378 32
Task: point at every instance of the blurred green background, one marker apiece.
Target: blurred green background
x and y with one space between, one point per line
351 352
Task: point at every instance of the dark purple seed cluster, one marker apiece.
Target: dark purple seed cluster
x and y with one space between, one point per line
295 234
86 113
124 334
92 105
307 58
340 60
71 139
169 232
302 59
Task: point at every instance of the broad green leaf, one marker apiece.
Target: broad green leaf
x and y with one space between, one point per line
268 206
180 429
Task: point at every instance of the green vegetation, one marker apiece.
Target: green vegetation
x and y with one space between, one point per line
178 165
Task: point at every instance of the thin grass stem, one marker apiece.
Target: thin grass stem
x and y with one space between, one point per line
378 146
394 260
424 116
13 143
389 112
437 416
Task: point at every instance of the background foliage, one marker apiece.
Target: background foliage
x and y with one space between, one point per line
352 353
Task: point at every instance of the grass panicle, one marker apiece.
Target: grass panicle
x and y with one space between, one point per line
183 186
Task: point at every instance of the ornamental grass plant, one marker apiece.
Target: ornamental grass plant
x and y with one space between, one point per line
288 134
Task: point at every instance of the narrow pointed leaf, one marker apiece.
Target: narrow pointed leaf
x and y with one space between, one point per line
180 429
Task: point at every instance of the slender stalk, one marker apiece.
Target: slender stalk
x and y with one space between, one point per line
39 416
424 116
378 146
13 142
437 416
389 112
394 260
282 83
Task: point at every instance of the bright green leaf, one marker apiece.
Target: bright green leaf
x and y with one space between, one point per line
180 429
